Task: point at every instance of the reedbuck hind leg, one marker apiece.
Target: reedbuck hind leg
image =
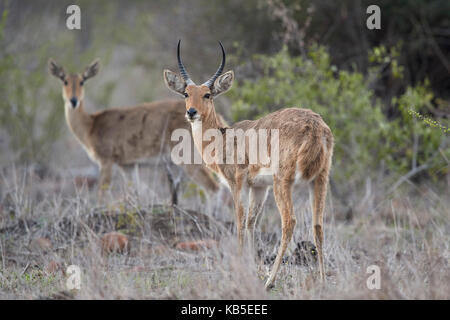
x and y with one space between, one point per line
318 192
282 190
173 179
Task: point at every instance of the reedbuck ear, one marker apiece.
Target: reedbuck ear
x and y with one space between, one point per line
174 82
92 69
223 83
56 70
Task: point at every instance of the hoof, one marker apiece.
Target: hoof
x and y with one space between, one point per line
269 286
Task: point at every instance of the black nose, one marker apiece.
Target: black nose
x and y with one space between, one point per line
191 112
74 101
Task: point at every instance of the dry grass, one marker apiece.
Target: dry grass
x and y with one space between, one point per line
407 236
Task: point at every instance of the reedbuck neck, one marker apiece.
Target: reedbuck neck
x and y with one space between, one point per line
304 152
79 122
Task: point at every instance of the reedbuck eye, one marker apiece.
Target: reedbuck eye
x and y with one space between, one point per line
65 82
207 96
81 83
186 95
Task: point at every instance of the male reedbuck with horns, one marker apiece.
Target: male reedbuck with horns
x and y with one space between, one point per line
305 153
124 136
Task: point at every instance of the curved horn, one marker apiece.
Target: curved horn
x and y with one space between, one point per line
181 67
219 71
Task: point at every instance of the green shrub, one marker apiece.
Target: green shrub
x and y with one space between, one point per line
31 125
423 144
32 110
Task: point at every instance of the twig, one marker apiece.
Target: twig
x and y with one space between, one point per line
413 172
407 176
25 269
88 229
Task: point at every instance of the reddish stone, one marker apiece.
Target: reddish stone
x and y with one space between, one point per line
115 242
196 245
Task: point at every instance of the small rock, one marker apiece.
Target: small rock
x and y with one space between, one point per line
41 244
115 242
139 269
305 254
53 267
196 245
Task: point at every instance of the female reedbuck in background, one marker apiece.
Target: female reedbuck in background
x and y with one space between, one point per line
123 136
305 152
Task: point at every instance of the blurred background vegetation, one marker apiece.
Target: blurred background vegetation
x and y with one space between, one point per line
311 54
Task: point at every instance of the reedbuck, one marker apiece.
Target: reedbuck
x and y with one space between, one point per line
124 136
305 152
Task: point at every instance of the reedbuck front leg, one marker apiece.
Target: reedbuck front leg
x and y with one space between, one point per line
239 213
282 190
318 192
105 179
257 198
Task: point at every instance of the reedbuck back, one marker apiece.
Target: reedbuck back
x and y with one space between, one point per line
123 136
304 153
